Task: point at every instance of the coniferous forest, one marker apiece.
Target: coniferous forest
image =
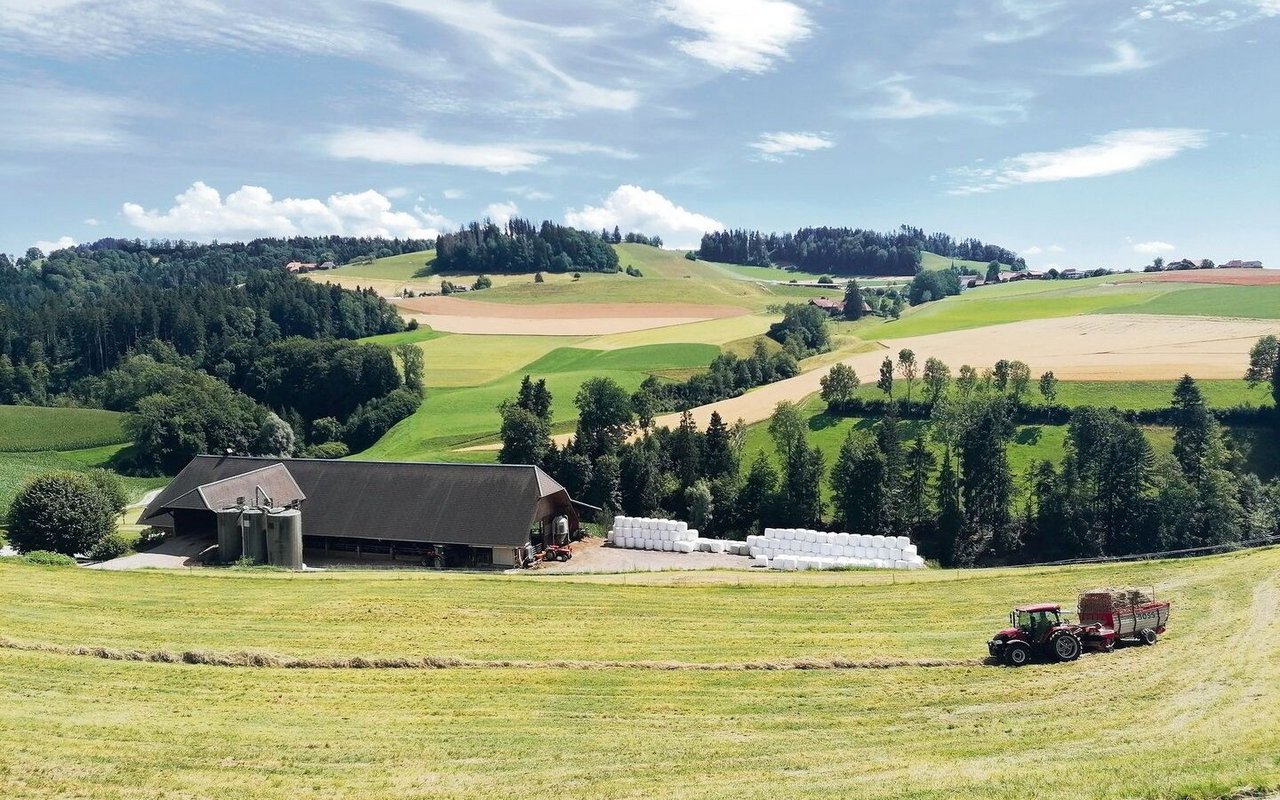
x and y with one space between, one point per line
847 251
520 247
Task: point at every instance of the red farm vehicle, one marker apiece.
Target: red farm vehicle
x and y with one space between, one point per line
1106 617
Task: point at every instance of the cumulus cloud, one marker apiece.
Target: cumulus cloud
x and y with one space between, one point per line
633 208
775 146
1037 250
1153 248
60 243
201 212
501 213
746 35
1110 154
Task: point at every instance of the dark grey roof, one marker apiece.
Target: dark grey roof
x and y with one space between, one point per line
272 484
487 505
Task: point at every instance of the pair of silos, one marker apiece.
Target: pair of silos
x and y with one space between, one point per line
264 536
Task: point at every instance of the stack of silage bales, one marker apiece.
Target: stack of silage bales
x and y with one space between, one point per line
645 533
801 548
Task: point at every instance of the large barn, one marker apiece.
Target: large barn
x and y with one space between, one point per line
463 514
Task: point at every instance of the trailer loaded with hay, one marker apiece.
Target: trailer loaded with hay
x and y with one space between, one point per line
1105 618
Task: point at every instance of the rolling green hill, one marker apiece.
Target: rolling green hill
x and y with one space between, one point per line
1188 718
33 428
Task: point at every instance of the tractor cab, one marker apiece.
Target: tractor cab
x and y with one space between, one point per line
1035 622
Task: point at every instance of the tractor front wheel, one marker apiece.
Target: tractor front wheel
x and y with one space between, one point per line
1066 647
1148 636
1016 654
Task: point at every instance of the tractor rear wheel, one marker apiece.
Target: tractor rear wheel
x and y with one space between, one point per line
1148 636
1066 647
1016 654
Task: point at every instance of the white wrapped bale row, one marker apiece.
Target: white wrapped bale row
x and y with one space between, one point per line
798 548
644 533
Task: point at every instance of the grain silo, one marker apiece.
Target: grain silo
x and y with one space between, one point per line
230 539
253 528
284 538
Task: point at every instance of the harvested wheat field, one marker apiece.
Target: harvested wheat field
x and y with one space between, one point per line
1103 347
454 315
1229 277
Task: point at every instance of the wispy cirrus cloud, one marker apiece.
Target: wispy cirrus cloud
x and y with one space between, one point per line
201 212
745 35
897 101
49 117
780 144
410 148
1125 58
1110 154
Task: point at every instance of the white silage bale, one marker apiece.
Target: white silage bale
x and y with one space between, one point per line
877 540
903 542
842 539
759 561
844 561
695 533
668 546
683 547
824 549
777 563
899 564
909 550
682 526
715 545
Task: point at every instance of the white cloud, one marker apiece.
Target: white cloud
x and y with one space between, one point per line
1033 250
1153 248
1110 154
501 213
774 146
530 193
92 221
62 242
394 146
202 213
1126 58
46 116
747 35
453 194
901 103
633 208
525 48
396 192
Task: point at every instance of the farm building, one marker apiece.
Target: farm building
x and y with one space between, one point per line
448 514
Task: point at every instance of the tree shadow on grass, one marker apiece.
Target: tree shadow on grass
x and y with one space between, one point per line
1028 435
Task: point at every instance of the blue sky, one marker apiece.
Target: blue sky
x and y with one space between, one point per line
1080 132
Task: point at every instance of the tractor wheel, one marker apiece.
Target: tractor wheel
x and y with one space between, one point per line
1016 654
1148 636
1066 647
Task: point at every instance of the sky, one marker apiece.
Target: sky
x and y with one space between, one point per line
1076 132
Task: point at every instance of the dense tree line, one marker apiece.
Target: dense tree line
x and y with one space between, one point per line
845 251
727 376
211 347
521 247
634 237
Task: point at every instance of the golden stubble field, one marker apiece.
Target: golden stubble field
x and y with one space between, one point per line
1192 717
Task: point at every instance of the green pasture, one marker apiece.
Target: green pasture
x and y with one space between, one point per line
36 428
16 468
712 331
450 418
1188 718
934 261
1198 300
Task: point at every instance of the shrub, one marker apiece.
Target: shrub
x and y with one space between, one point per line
112 488
327 450
151 537
64 512
826 279
46 558
537 278
113 545
482 282
373 419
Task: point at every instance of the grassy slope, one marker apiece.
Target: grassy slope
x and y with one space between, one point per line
32 428
17 467
1196 718
934 261
453 417
1255 302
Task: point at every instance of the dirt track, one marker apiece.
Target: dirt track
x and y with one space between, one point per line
454 315
1100 347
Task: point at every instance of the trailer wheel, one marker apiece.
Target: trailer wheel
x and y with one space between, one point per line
1066 647
1148 636
1016 654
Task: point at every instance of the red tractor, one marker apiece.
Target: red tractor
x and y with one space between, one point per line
1107 616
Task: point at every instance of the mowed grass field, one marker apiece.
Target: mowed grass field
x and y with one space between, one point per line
1189 717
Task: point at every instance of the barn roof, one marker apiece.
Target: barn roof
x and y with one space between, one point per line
486 505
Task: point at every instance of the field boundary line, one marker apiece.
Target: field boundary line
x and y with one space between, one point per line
263 660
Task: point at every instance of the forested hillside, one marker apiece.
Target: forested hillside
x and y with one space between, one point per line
204 343
847 251
520 247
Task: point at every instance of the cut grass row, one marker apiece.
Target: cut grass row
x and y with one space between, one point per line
1187 718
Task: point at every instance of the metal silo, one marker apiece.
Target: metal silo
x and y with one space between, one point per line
230 541
284 538
253 528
